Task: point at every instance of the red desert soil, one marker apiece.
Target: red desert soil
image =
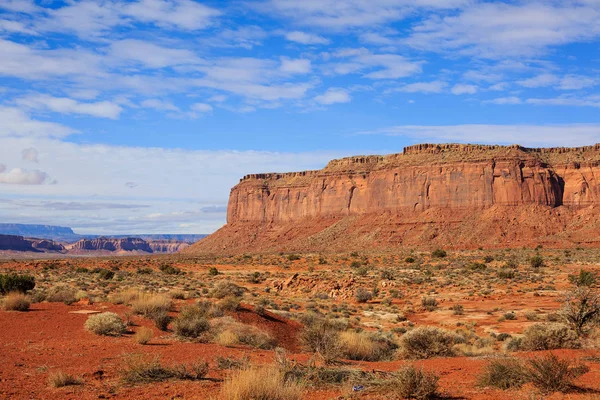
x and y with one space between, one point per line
50 338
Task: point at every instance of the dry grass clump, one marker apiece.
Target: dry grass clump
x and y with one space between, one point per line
548 337
227 330
126 297
147 304
60 379
143 335
16 301
427 342
62 294
107 323
265 383
139 369
366 346
414 383
322 336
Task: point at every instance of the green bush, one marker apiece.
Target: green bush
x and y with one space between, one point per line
107 323
169 269
427 342
548 336
536 262
551 374
439 253
16 283
507 373
584 278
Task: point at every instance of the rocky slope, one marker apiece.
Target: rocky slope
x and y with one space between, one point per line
429 195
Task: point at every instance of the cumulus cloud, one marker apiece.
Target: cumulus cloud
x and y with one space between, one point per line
160 105
30 154
64 105
376 66
421 87
201 107
18 176
505 100
297 66
332 96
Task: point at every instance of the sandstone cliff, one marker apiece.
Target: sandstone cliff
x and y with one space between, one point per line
113 245
438 195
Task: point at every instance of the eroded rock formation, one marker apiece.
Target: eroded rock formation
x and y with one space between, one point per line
421 196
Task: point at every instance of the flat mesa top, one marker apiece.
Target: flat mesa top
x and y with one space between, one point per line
427 154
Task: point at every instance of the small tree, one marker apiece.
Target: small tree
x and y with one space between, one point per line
581 309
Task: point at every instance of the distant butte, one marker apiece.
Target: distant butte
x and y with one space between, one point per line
431 195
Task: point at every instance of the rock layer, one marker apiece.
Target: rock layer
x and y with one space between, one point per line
454 183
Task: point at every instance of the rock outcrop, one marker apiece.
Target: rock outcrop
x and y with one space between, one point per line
112 245
167 246
427 195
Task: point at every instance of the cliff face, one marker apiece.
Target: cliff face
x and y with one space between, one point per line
106 244
454 181
167 246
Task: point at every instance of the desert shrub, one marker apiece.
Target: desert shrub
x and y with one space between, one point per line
355 264
143 335
161 319
414 383
427 342
140 370
16 283
147 304
322 336
511 316
125 296
107 323
230 332
458 309
409 260
265 383
551 374
190 323
62 294
177 294
229 303
388 274
293 257
488 259
82 270
106 274
213 271
504 373
365 346
429 303
231 363
438 253
536 262
169 269
363 295
548 336
477 266
227 288
60 379
584 278
16 301
581 309
507 273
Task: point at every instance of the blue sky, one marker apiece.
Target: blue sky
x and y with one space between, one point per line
138 116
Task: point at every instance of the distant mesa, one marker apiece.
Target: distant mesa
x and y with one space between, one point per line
430 195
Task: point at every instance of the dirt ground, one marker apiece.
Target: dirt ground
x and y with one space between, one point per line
50 337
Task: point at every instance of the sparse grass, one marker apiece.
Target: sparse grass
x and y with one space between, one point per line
16 301
414 383
322 336
225 289
232 332
191 323
147 304
61 294
265 383
138 369
108 323
366 346
143 335
60 379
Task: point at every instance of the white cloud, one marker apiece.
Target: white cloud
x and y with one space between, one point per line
296 66
460 89
305 38
527 135
496 29
542 80
18 176
576 82
2 168
30 154
14 122
151 55
159 105
381 66
567 100
334 14
421 87
183 14
201 107
64 105
505 100
334 95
